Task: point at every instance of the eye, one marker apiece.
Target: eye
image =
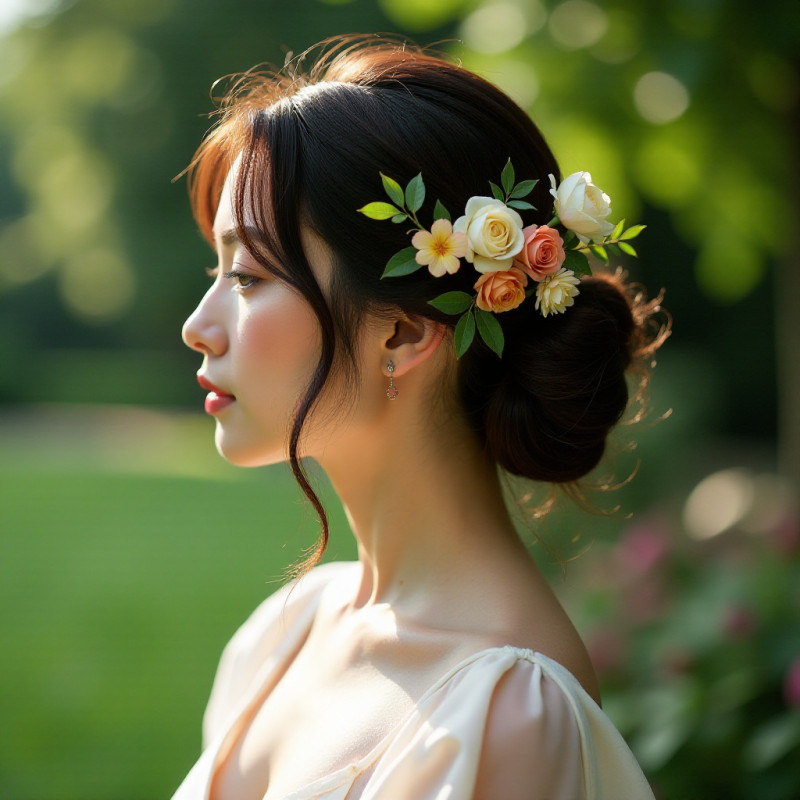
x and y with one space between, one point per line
244 280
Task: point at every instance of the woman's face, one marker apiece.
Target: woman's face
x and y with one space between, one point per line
260 342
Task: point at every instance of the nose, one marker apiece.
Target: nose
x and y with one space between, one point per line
203 330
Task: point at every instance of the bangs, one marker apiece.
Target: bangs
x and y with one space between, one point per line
262 144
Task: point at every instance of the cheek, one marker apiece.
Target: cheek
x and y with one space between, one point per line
278 344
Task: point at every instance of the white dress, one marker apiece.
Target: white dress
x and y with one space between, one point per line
552 732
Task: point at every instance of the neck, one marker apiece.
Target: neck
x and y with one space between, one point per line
424 504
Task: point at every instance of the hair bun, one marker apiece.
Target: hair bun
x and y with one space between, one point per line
563 385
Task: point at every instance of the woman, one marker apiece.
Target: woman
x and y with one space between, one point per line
439 664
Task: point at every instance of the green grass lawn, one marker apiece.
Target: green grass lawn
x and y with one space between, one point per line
118 590
129 554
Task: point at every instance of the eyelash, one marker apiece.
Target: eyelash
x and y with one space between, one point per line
238 276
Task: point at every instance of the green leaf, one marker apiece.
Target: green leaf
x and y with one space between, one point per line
451 302
569 239
628 248
521 204
464 333
490 330
379 210
601 253
402 263
507 177
577 262
399 217
613 249
497 192
440 212
633 232
618 229
523 189
415 193
393 189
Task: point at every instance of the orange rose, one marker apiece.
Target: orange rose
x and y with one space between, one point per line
543 251
501 291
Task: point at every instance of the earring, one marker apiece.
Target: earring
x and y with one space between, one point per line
391 391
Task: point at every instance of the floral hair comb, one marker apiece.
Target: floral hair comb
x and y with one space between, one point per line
490 236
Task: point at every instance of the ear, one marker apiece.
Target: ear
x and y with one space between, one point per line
414 340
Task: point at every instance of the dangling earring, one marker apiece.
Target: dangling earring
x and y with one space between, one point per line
391 391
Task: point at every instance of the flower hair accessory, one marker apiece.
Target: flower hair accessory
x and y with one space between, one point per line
514 261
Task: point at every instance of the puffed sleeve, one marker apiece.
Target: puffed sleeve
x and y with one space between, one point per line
531 745
510 724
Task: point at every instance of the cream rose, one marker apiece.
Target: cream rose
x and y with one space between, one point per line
557 292
494 233
582 207
501 291
542 253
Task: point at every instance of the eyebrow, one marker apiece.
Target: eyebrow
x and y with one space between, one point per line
231 236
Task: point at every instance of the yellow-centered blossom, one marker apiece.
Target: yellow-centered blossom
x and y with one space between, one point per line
440 249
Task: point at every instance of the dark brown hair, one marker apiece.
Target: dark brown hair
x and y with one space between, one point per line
312 146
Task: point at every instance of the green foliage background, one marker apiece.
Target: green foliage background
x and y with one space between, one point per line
129 553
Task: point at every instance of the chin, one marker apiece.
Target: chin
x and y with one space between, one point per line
248 453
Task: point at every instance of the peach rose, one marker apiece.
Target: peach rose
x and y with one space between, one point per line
543 251
501 291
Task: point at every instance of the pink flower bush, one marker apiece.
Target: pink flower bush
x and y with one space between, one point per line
791 684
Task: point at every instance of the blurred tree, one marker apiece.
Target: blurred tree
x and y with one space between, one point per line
680 105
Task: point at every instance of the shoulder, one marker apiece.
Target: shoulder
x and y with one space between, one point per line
271 633
532 736
291 606
546 737
512 724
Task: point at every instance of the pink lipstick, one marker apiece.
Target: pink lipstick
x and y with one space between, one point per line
216 399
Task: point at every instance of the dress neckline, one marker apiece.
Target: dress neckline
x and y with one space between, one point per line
351 771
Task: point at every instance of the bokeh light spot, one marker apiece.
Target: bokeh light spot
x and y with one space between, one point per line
729 272
717 503
660 97
578 23
75 191
98 64
494 28
97 285
519 80
19 263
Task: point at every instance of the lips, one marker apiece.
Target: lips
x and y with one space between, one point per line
216 399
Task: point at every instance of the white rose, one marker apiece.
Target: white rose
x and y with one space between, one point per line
494 233
582 207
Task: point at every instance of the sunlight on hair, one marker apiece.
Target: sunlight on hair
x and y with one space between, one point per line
578 23
660 97
718 503
98 285
499 27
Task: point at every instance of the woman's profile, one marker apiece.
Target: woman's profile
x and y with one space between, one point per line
380 307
